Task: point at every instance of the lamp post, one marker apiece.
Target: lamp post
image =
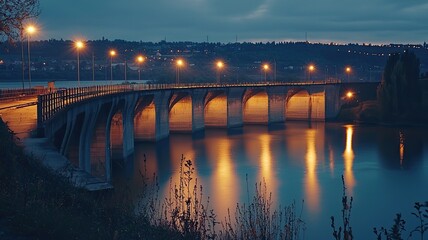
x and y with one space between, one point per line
21 35
178 64
311 68
112 54
265 69
79 45
220 66
140 60
30 30
348 71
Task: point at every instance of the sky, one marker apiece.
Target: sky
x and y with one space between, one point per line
342 21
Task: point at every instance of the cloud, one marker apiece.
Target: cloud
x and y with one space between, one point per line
179 20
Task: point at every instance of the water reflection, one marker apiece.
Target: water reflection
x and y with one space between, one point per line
292 163
401 147
312 190
224 181
348 157
266 173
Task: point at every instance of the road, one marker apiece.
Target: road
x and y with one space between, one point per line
20 115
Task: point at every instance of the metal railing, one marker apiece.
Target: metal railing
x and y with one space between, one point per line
51 103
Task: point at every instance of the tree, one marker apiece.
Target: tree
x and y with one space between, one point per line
399 94
13 13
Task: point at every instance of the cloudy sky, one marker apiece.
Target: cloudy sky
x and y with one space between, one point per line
375 21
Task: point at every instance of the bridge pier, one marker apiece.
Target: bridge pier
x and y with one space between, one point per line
198 102
276 108
332 101
234 107
161 100
107 150
86 135
128 114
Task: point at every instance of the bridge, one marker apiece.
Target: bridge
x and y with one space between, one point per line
89 125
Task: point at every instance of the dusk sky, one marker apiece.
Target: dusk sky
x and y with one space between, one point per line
344 21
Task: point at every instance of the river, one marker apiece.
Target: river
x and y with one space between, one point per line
385 170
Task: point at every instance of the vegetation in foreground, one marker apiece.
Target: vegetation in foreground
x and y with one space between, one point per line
35 202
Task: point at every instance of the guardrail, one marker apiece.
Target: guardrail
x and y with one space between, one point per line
51 103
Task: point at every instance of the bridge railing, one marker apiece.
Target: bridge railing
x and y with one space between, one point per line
51 103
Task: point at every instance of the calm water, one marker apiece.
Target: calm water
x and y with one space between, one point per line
385 170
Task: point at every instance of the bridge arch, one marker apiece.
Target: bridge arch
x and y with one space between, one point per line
145 119
256 106
180 112
303 104
215 109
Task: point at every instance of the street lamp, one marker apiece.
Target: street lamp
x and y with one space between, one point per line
179 63
311 68
112 54
79 45
265 69
30 30
348 71
140 60
220 66
349 94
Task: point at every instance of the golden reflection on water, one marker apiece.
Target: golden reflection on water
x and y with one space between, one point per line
312 190
266 174
401 147
348 157
181 149
225 182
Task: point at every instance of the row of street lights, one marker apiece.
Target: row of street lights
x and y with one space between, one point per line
79 45
112 53
311 68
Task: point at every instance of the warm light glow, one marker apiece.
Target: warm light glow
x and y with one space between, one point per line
266 67
266 160
220 65
348 156
311 68
312 188
140 59
180 62
79 45
349 94
348 69
112 53
31 29
224 178
401 147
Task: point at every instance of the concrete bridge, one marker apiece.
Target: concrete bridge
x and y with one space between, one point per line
90 125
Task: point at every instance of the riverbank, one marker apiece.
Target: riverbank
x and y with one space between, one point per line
368 112
36 203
